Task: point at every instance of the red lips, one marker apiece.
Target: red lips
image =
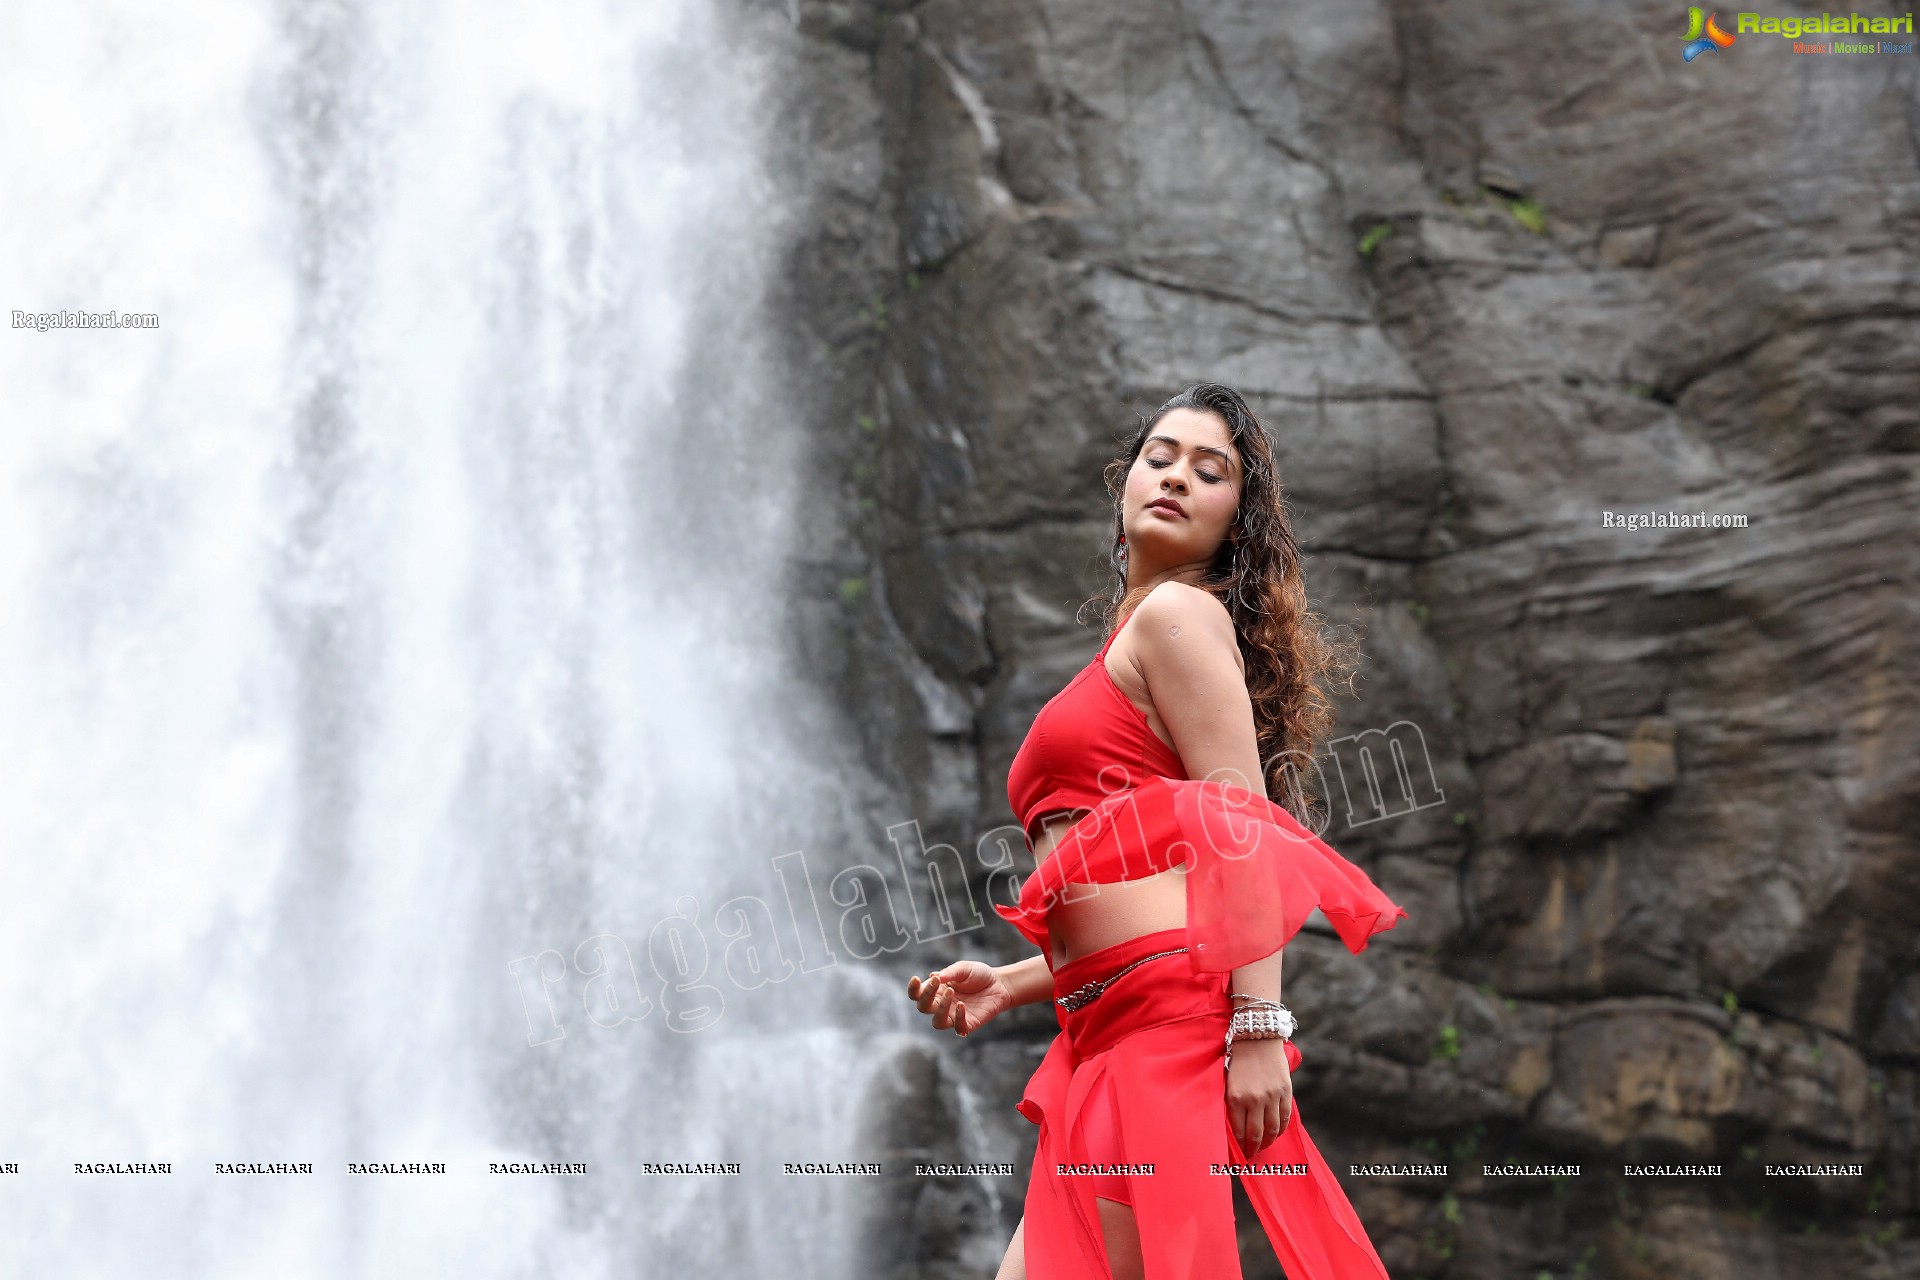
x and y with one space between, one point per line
1168 503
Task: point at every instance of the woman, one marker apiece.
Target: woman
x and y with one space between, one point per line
1167 883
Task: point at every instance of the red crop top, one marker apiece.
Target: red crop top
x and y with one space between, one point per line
1088 742
1253 872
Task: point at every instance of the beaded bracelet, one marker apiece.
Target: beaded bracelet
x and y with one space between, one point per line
1259 1019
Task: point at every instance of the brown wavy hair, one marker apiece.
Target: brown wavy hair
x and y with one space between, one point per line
1293 661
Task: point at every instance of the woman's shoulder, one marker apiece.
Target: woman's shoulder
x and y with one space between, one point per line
1171 608
1182 603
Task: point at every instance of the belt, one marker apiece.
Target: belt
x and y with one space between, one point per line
1081 997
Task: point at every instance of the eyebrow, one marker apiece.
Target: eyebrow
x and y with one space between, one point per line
1203 448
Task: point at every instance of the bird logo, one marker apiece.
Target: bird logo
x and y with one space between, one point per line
1703 33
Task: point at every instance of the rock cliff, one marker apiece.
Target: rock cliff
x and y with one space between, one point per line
1492 271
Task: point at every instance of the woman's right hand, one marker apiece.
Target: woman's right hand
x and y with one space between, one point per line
964 996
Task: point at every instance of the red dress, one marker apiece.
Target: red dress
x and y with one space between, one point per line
1131 1096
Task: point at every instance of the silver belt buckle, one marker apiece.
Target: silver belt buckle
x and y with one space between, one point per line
1081 997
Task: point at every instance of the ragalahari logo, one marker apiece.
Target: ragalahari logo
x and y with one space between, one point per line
1703 33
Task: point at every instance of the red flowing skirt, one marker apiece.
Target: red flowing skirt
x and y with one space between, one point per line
1137 1078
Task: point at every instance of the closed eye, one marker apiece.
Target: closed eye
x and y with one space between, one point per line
1208 476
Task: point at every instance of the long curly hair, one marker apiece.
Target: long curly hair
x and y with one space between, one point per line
1293 661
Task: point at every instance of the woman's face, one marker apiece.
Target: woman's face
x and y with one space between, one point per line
1182 492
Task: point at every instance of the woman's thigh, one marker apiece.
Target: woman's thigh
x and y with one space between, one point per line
1116 1227
1122 1235
1014 1265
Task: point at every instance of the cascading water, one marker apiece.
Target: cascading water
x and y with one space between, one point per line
391 654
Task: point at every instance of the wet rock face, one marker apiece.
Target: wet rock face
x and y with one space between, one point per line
1499 275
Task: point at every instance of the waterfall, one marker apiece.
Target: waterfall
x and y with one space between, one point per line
391 668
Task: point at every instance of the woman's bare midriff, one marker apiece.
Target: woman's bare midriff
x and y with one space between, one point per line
1093 916
1102 915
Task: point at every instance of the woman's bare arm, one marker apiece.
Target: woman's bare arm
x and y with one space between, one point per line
1184 648
1029 980
1187 654
1190 660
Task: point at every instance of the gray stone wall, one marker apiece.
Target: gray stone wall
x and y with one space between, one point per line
1490 269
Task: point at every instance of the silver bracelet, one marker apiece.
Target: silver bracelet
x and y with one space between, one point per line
1259 1019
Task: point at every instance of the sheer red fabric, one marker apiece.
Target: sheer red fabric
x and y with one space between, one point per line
1254 873
1151 1043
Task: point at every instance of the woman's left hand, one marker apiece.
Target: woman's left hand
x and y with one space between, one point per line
1259 1092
